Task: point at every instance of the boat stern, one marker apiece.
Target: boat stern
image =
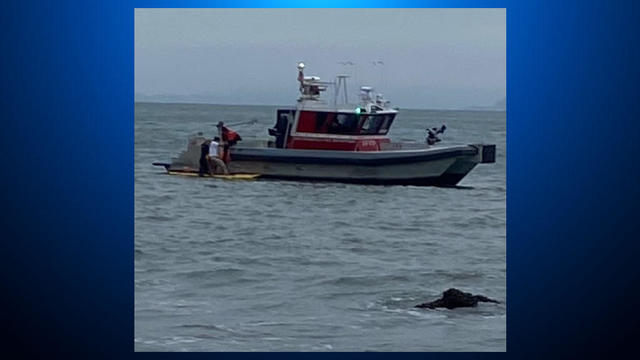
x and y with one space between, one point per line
486 153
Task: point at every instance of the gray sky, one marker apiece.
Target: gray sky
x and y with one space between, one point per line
433 58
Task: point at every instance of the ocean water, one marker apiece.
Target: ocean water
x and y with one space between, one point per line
303 266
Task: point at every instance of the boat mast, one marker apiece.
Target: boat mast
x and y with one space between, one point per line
341 80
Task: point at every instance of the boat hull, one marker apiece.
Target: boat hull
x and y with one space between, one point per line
436 166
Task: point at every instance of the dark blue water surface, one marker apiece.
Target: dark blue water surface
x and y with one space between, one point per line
302 266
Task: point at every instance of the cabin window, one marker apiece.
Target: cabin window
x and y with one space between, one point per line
344 124
371 124
376 124
386 123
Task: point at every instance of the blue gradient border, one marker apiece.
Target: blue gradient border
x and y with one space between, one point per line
67 138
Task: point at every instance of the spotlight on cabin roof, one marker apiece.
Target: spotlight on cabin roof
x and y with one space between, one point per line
300 65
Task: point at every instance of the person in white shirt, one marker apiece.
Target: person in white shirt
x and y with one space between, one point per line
216 165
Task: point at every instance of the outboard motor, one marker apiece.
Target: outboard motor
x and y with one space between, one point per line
432 134
280 131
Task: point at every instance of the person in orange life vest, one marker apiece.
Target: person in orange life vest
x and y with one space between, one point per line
229 138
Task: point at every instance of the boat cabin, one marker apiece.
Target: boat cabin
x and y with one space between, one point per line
316 124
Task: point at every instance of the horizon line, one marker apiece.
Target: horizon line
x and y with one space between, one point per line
195 102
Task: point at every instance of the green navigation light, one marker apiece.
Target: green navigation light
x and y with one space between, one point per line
358 110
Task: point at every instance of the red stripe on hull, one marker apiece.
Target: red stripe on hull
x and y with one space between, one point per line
334 144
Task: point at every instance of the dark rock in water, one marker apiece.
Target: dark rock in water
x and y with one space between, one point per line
454 298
